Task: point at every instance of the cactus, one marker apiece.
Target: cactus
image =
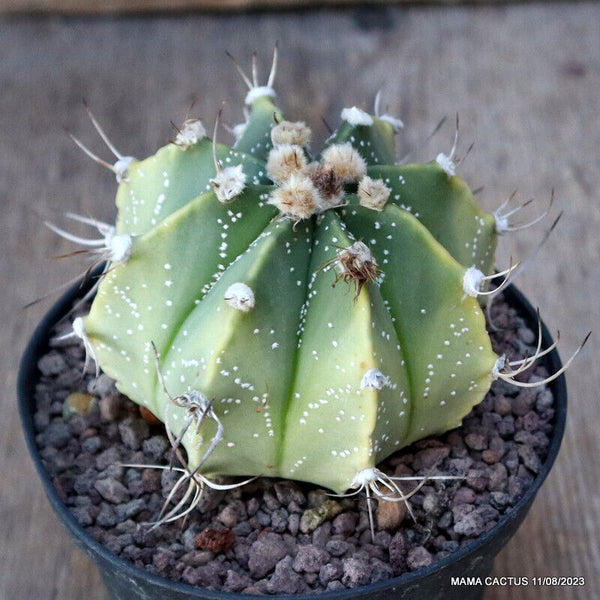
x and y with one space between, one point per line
295 316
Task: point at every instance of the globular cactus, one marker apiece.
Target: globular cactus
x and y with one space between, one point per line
310 315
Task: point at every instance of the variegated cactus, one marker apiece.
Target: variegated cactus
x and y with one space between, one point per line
311 315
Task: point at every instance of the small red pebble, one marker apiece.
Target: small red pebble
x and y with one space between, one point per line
215 540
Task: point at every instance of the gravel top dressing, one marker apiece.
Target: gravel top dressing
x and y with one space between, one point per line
283 537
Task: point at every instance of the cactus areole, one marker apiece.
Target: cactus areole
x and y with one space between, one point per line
323 309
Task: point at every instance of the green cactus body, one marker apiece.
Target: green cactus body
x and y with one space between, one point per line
255 138
374 142
446 206
163 183
172 267
332 423
354 334
427 302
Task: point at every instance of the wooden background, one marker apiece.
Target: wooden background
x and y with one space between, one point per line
525 80
144 6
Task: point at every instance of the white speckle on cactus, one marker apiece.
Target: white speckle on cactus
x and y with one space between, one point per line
240 296
191 132
229 183
158 206
373 194
356 116
374 379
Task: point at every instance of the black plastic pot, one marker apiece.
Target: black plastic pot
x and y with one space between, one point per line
128 582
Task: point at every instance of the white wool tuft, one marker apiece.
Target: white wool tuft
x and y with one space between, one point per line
373 193
364 477
259 92
120 248
374 379
240 296
472 281
447 163
396 124
229 183
356 116
190 133
121 167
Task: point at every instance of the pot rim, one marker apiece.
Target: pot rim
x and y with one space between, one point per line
29 375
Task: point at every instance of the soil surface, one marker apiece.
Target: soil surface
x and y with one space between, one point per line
283 537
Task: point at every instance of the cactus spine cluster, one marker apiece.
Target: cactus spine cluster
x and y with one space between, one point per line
311 315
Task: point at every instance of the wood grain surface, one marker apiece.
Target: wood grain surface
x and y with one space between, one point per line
525 80
90 7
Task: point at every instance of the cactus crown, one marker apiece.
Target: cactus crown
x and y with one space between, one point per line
294 315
